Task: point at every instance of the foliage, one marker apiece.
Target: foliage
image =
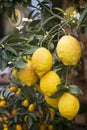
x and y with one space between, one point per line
45 29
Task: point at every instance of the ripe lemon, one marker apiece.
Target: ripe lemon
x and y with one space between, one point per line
27 74
31 107
49 82
13 89
52 101
68 105
41 61
18 127
18 91
25 103
2 103
52 113
69 50
42 127
15 73
13 112
5 128
50 127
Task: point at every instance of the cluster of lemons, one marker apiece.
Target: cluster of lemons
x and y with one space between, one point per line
39 74
39 67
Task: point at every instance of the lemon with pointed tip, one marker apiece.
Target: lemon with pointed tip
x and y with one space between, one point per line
68 105
27 75
42 61
69 50
49 82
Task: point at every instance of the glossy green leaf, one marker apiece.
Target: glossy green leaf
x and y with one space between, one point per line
19 63
86 29
74 89
59 9
58 93
4 39
12 50
82 16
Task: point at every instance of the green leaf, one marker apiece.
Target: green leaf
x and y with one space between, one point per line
4 55
33 115
3 63
10 49
34 22
26 92
58 93
4 39
19 63
59 9
82 16
86 29
30 122
17 39
31 50
74 89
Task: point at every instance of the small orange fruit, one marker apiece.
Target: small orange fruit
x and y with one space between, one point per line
25 103
13 112
31 107
13 89
2 103
18 127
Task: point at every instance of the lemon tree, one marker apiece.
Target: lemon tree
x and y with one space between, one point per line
42 54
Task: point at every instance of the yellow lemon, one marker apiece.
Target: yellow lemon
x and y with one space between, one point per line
2 103
15 73
13 89
52 101
5 128
42 127
31 107
13 112
68 105
18 91
49 82
18 127
25 103
52 113
69 50
50 127
41 61
27 74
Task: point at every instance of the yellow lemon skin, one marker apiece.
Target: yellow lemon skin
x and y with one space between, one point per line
69 50
49 82
2 103
31 107
42 61
52 101
68 105
18 127
27 74
25 103
15 73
